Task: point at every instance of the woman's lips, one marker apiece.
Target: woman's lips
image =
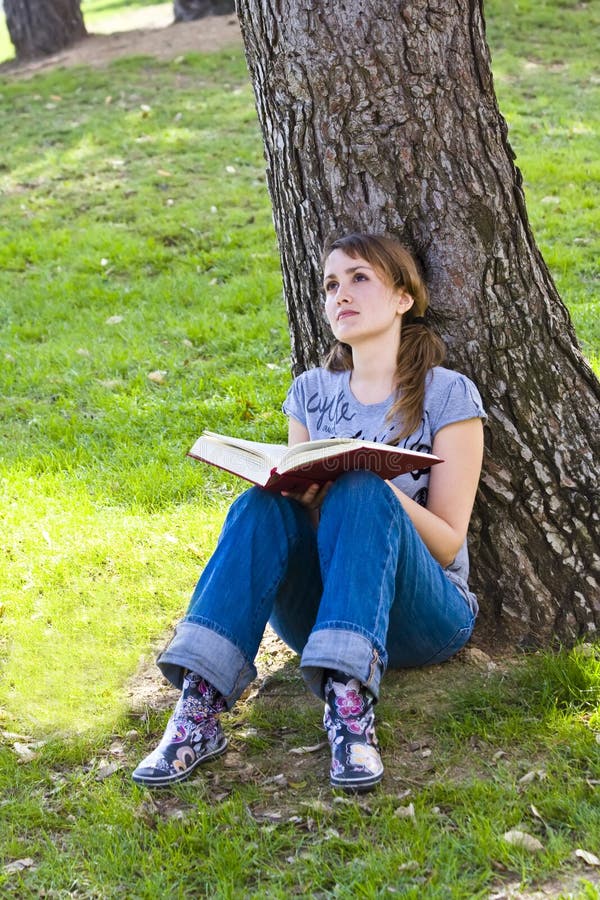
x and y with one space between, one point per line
346 314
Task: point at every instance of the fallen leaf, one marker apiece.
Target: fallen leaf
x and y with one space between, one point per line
587 857
540 774
312 749
476 657
107 770
406 812
280 780
537 815
527 778
230 169
247 732
523 839
18 865
267 815
24 752
158 376
114 320
164 173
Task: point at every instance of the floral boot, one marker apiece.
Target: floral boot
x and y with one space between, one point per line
193 735
350 724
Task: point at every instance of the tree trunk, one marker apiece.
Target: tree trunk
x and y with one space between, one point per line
382 116
188 10
41 27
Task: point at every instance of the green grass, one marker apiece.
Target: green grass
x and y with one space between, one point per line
136 237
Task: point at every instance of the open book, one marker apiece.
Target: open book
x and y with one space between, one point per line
281 468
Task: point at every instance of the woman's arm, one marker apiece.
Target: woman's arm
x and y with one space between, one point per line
443 523
297 432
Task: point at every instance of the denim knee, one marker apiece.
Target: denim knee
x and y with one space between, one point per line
352 487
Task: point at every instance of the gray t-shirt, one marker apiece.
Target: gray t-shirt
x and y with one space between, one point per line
324 403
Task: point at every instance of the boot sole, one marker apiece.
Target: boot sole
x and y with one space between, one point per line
167 780
356 786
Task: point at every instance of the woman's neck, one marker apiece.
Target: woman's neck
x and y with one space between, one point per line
373 376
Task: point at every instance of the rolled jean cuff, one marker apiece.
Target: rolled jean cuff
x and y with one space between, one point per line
195 648
345 651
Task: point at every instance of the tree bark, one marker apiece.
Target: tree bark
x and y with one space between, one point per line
40 27
189 10
382 116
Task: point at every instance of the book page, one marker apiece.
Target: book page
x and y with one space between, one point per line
269 453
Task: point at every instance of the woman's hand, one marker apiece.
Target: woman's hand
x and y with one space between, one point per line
311 498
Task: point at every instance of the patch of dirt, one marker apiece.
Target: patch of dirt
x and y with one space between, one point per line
142 32
148 691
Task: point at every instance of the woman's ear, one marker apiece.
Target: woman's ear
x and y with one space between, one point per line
405 301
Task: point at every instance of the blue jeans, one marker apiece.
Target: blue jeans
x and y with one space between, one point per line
357 594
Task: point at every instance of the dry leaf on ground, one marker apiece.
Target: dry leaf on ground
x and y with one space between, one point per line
587 857
312 749
107 770
159 376
523 839
406 812
18 865
24 752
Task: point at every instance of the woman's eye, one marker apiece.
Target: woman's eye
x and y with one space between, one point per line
330 286
360 277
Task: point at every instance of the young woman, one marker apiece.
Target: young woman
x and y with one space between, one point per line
355 576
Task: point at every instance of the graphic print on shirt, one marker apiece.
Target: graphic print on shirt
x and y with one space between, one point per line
331 410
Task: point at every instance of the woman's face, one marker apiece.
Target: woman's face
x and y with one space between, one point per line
359 303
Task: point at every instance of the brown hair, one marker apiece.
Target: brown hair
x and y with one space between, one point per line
420 348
